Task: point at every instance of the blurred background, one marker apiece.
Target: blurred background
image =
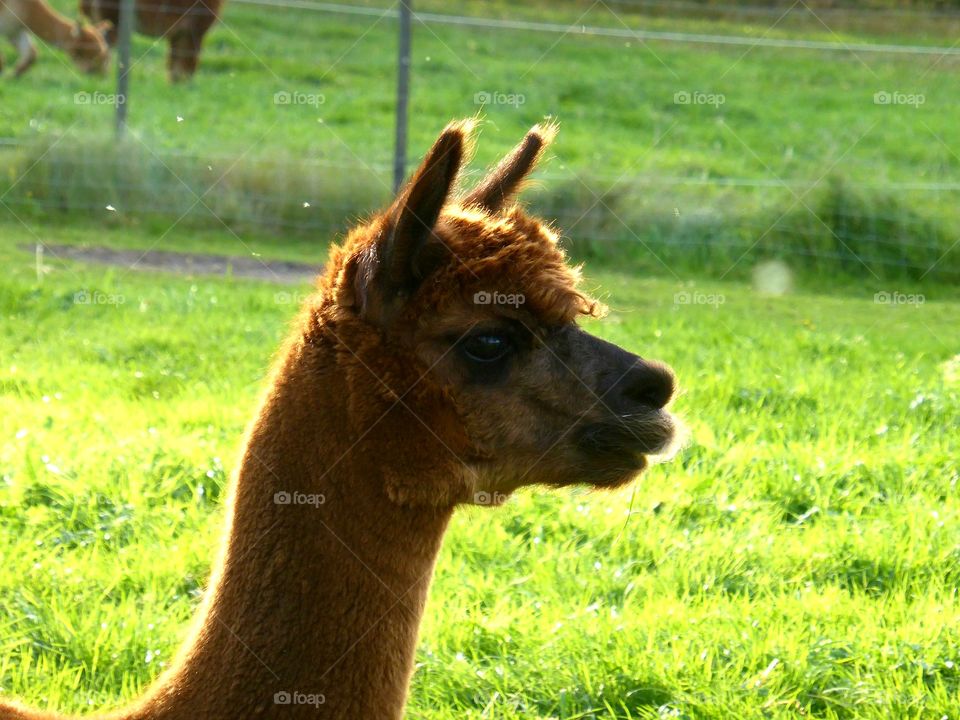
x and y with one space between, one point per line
698 135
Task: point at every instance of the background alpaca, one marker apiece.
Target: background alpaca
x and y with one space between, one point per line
84 44
183 22
398 396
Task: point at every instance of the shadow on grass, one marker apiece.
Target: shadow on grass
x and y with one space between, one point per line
832 229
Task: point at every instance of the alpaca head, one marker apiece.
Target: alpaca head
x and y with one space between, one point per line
465 310
88 48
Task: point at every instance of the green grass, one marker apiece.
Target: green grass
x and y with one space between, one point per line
799 558
804 117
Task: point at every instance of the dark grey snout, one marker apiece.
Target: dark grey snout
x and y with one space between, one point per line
627 382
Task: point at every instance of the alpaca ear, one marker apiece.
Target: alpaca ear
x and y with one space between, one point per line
504 181
406 248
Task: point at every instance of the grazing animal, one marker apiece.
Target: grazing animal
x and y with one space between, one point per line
182 22
84 44
438 363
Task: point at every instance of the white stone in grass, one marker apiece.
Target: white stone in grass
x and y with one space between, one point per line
772 277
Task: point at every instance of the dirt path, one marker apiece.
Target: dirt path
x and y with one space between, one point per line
280 271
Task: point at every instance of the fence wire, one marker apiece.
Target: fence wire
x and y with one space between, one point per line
869 217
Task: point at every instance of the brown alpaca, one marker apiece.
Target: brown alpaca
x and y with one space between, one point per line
182 22
438 363
84 44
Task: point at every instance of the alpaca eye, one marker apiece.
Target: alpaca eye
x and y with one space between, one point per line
486 348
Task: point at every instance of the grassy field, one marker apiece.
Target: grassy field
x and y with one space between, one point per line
615 97
800 558
674 172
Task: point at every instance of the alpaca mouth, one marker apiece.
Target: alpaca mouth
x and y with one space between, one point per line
625 441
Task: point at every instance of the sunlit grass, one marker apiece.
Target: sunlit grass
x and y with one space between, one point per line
800 556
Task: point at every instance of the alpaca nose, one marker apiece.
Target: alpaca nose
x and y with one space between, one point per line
648 383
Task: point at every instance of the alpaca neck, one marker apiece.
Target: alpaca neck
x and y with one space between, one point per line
46 23
320 597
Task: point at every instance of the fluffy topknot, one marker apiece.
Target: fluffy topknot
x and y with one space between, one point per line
481 242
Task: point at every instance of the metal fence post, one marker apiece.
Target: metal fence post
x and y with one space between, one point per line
124 36
403 95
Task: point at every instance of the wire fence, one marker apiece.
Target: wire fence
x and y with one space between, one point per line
868 202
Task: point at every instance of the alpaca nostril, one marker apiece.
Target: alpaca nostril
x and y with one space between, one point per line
649 383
